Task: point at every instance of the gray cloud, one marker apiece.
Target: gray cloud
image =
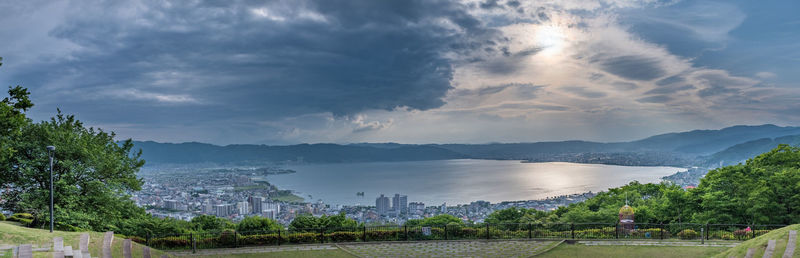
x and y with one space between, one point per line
272 60
670 80
655 99
716 90
625 86
631 67
584 92
670 89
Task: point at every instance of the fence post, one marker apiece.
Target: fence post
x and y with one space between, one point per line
487 232
147 239
365 232
405 228
322 235
530 230
194 244
662 230
707 232
572 229
753 231
279 237
235 239
445 231
616 230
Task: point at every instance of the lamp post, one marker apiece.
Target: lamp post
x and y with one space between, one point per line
51 151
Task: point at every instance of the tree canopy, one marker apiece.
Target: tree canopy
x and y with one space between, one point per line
764 190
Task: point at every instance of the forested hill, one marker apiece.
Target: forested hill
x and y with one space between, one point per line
673 148
194 152
741 152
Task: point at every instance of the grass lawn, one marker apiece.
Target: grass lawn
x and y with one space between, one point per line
317 253
565 250
760 243
13 234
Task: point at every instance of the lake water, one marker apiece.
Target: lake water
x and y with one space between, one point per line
457 181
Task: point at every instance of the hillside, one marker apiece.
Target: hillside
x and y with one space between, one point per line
743 151
12 234
759 244
313 153
666 149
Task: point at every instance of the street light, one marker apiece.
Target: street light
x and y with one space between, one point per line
51 151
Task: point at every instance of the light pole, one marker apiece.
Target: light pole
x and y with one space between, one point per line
51 151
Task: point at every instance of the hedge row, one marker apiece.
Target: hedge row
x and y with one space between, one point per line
231 239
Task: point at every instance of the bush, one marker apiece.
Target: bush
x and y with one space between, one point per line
261 239
23 215
2 217
688 234
25 218
302 238
344 236
170 243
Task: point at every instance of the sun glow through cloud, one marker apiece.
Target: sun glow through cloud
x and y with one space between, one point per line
551 39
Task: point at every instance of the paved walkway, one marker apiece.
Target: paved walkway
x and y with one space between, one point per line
259 249
658 243
791 244
448 249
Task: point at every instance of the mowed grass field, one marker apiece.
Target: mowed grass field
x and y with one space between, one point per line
13 234
565 250
299 254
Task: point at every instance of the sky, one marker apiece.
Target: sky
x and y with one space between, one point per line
416 71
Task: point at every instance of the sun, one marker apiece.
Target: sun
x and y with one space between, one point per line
550 38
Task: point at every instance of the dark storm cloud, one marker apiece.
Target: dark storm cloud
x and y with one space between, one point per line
260 60
631 67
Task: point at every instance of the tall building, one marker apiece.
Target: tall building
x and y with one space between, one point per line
443 209
171 204
221 210
276 207
256 204
269 213
382 204
400 204
416 208
243 208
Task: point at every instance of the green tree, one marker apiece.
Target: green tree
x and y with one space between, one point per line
211 223
764 190
257 224
304 222
12 120
93 174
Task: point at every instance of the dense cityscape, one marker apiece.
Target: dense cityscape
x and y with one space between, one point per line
239 193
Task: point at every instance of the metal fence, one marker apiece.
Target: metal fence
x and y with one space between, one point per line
682 231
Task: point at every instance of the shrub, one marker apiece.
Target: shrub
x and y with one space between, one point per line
137 239
23 215
302 238
170 243
378 235
687 234
2 217
261 239
344 236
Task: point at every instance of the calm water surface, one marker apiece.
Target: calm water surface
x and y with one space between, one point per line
457 181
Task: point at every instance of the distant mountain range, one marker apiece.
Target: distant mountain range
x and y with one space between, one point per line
698 147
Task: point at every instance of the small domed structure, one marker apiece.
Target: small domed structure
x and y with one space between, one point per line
626 217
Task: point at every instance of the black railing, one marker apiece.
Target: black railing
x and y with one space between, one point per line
681 231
